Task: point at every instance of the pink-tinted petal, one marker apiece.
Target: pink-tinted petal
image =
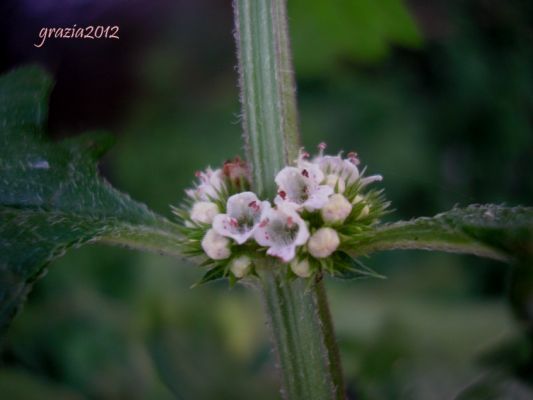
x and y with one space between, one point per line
244 211
282 230
318 198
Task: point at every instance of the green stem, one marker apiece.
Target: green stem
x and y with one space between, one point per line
303 337
299 316
266 79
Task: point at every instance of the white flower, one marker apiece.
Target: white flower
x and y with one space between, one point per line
281 230
345 168
337 166
301 187
301 268
244 212
216 246
323 242
336 182
312 170
204 212
336 209
211 183
239 266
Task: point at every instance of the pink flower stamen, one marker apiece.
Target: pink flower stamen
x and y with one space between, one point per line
352 156
264 223
282 194
305 173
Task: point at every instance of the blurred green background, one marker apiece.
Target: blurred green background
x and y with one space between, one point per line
435 96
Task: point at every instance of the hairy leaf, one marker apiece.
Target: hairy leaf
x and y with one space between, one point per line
491 231
51 196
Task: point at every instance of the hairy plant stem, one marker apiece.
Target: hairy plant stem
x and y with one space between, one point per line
298 313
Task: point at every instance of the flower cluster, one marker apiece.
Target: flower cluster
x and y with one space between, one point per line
319 202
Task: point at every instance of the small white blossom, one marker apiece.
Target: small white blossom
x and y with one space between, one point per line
301 187
313 171
301 268
244 212
204 212
239 266
323 242
336 182
337 166
211 183
336 209
281 230
216 246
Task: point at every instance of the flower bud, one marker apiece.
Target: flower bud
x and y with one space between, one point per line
364 212
336 209
239 266
237 171
204 212
323 242
216 246
336 182
301 268
357 199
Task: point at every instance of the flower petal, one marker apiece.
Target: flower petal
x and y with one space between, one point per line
211 183
244 211
282 230
301 187
318 198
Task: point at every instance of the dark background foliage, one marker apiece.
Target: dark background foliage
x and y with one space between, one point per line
436 96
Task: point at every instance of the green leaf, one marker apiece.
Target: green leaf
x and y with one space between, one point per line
354 30
346 267
51 196
214 274
498 232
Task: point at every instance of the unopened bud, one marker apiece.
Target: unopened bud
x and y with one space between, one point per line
366 209
301 268
216 246
204 212
364 212
336 182
357 199
336 209
239 266
323 242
